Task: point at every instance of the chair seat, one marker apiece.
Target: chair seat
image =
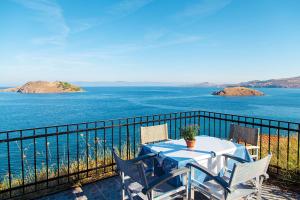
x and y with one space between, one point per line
212 188
136 188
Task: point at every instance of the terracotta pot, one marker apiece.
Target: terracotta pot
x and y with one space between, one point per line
190 143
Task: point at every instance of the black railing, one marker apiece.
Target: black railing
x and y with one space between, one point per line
41 158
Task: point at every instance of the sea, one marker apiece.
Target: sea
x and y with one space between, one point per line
21 111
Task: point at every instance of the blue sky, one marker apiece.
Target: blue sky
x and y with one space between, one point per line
149 40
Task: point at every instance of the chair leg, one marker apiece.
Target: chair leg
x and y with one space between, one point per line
186 186
123 185
150 195
189 185
258 195
259 188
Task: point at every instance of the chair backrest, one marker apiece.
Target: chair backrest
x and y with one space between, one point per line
243 172
152 134
244 134
133 170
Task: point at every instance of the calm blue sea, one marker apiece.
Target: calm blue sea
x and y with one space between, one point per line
18 111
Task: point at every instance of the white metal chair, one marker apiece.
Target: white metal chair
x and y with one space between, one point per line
139 186
245 180
152 134
250 136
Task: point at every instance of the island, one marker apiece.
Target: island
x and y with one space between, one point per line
238 91
45 87
293 82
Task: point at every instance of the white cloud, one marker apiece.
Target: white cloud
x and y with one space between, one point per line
50 14
203 8
126 7
112 13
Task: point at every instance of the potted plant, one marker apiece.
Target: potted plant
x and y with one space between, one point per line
189 133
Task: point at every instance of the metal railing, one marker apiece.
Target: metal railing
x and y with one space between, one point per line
42 158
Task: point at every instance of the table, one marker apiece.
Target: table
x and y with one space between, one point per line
174 154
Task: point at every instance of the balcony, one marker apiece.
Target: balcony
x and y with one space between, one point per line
51 160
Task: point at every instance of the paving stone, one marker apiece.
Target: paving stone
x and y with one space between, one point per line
110 189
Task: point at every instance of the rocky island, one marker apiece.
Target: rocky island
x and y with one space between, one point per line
45 87
238 91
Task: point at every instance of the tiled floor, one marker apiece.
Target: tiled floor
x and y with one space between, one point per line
110 189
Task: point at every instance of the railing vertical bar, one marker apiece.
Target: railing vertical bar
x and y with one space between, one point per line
147 119
269 142
134 138
127 134
112 144
8 164
22 160
209 125
57 154
184 119
170 127
68 151
141 124
120 138
224 130
288 147
260 140
204 119
77 152
34 160
96 146
214 124
87 149
47 166
278 135
194 117
175 124
298 156
199 120
104 146
220 126
180 117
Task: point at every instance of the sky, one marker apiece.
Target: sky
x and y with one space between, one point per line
220 41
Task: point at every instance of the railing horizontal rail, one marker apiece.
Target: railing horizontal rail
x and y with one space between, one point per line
150 121
145 116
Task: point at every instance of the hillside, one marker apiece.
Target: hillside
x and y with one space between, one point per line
274 83
45 87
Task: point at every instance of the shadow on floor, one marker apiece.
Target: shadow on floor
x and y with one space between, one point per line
110 189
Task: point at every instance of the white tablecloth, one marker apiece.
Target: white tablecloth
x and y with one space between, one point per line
207 152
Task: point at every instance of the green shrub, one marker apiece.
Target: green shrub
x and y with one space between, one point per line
189 132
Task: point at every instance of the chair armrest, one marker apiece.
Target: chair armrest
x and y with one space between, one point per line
143 157
241 160
252 147
164 179
216 178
